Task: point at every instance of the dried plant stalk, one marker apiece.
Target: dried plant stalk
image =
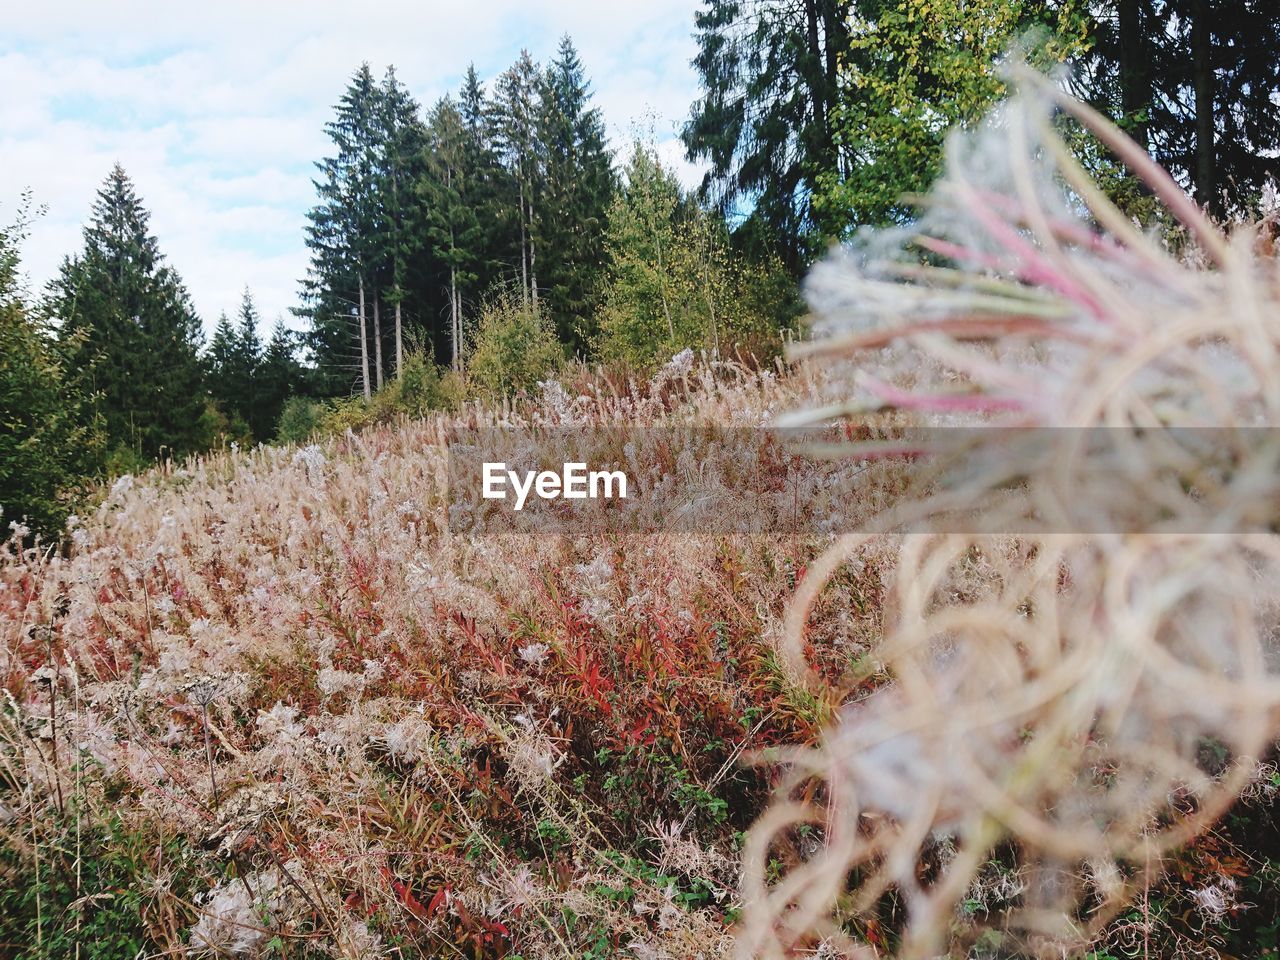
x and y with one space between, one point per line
1082 701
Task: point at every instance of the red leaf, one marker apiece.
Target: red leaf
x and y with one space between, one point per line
438 900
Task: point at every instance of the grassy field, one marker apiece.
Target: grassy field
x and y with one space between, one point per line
269 704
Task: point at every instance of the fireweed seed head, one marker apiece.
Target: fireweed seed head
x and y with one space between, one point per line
1050 690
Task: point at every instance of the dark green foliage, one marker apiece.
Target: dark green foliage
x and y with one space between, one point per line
577 190
1197 82
299 419
342 238
250 382
514 123
49 437
488 180
420 390
234 359
127 325
453 195
425 219
89 893
400 155
770 72
279 377
370 283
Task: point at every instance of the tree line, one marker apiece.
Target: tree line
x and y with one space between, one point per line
820 116
421 216
495 235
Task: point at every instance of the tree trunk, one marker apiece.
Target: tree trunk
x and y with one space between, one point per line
533 270
364 345
453 317
457 307
377 342
1134 20
399 339
524 253
662 285
1202 66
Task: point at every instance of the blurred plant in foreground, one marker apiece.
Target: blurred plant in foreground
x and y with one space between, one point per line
1077 704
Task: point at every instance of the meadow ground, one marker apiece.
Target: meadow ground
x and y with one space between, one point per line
271 703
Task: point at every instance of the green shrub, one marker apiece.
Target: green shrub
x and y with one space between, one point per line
50 439
513 349
223 429
674 283
341 415
299 419
420 390
97 899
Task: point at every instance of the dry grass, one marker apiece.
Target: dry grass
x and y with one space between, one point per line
374 736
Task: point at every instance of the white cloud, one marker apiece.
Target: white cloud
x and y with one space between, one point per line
216 110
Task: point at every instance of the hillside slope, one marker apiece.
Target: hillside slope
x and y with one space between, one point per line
310 716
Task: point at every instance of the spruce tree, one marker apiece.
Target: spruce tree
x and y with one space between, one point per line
279 376
514 114
220 362
770 72
578 188
1194 82
367 235
127 323
400 157
342 237
1214 117
452 198
234 358
488 184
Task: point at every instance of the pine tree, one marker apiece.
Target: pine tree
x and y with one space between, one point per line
770 71
578 188
1214 118
367 233
450 194
234 359
400 151
128 324
515 118
342 236
248 343
220 361
1197 84
244 373
279 376
487 180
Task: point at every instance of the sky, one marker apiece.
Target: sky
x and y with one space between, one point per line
217 110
